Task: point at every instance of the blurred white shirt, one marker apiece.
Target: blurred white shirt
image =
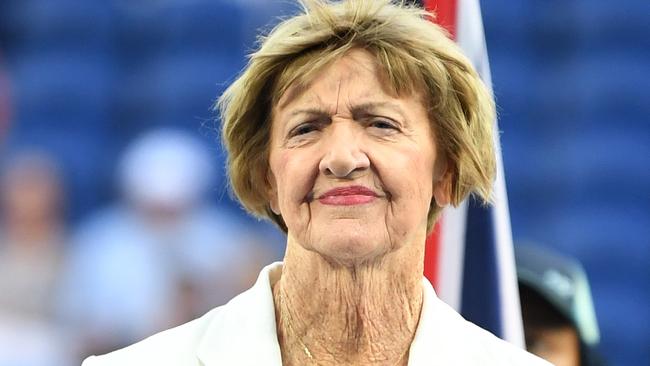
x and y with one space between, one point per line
127 280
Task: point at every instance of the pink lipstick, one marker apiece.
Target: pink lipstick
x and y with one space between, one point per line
348 196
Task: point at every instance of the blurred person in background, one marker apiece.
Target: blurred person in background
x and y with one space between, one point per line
559 318
159 257
32 245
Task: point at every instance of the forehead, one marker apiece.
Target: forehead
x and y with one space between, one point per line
356 74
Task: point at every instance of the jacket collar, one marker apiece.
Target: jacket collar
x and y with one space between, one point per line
437 337
243 332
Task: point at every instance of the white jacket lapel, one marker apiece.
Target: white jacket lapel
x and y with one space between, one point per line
243 332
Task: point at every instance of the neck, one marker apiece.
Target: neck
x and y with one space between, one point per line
364 314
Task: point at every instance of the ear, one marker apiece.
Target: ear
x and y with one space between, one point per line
442 183
272 192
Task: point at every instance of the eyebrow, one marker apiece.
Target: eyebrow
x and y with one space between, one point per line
368 108
357 110
310 111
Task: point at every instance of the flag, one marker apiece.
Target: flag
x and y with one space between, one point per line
469 255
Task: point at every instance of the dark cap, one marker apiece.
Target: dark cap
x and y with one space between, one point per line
563 283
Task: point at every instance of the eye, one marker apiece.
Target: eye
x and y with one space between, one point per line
303 129
383 124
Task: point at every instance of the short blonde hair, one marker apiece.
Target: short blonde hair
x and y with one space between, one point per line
416 55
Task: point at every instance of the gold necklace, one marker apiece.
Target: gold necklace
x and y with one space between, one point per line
284 316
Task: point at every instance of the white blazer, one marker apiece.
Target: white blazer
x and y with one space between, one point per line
243 333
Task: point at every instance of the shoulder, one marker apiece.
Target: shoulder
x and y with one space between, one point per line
444 335
481 347
491 350
224 334
176 346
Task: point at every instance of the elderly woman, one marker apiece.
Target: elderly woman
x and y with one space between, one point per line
351 128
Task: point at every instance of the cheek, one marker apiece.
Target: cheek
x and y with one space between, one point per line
420 189
423 170
409 175
292 178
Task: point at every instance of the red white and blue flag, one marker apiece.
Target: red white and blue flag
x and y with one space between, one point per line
469 256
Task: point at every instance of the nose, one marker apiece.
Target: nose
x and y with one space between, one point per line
343 156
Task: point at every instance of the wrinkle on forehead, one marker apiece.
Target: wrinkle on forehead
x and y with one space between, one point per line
309 75
338 97
357 61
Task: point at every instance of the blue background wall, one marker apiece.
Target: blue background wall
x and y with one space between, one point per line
571 80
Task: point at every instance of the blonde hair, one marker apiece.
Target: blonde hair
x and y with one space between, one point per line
415 54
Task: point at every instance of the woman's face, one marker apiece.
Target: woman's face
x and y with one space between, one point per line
352 167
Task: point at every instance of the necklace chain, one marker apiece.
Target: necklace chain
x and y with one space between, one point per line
285 317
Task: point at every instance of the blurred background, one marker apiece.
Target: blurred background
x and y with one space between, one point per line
112 182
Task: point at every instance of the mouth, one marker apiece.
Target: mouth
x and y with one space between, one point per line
348 196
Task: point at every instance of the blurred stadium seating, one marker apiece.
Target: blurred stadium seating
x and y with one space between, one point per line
571 84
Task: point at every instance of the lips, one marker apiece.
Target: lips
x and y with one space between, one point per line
347 196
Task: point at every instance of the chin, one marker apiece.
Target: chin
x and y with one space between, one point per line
351 247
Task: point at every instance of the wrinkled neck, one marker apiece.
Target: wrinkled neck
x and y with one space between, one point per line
365 314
